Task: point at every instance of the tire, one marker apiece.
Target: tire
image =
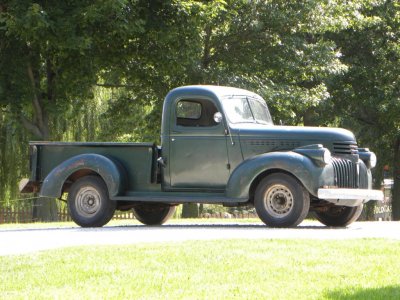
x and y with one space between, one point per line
339 216
153 214
281 201
88 202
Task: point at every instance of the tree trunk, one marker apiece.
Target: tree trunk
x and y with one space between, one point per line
190 210
396 179
39 125
45 210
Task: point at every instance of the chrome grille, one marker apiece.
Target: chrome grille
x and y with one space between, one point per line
346 173
363 177
345 148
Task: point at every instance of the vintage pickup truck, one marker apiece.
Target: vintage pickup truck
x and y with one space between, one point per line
218 145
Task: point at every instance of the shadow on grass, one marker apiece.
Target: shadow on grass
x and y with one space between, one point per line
385 293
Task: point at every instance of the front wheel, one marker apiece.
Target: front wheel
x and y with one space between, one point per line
88 202
339 216
281 201
153 214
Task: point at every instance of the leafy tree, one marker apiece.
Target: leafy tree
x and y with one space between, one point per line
86 70
12 151
51 55
367 97
276 48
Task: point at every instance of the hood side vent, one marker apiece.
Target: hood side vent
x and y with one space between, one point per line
262 143
275 144
348 148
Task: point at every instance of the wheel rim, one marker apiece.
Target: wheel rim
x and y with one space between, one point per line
88 201
278 200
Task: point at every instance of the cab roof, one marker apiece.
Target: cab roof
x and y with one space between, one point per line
209 90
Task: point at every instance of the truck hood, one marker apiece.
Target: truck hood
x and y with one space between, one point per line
257 139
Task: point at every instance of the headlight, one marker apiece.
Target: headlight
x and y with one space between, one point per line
327 156
372 160
368 157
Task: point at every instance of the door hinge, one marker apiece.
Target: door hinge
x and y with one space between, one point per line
228 166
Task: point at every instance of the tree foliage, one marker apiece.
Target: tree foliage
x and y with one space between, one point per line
51 57
368 96
99 70
52 54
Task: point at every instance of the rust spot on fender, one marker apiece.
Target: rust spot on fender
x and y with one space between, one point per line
75 165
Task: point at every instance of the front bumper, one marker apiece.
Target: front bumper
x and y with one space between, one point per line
349 197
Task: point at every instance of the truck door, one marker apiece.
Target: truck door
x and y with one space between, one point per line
198 157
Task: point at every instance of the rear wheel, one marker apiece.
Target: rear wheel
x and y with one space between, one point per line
339 216
88 202
153 214
281 201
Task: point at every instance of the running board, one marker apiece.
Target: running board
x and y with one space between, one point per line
170 197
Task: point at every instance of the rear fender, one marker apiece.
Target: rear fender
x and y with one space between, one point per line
301 167
108 170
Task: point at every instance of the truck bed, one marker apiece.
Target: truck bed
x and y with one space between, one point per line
139 160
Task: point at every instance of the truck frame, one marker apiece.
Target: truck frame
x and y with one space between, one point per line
218 146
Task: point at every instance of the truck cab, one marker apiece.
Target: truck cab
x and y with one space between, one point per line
218 145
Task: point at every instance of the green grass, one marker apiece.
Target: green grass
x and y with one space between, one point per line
234 269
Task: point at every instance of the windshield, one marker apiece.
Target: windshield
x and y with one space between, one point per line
246 110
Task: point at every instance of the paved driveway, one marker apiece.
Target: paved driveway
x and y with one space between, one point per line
20 241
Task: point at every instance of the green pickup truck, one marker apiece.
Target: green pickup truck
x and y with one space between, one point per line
220 146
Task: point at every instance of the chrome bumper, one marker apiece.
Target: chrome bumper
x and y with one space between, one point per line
349 197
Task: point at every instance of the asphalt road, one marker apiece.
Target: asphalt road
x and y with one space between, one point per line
21 241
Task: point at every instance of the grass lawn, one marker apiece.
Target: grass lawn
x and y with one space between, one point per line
233 269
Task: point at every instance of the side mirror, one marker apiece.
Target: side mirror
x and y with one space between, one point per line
218 117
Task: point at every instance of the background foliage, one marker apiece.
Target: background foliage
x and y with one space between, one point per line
98 70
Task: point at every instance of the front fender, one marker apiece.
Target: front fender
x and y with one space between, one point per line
300 166
109 171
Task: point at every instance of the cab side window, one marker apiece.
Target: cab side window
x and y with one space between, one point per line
188 110
195 113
